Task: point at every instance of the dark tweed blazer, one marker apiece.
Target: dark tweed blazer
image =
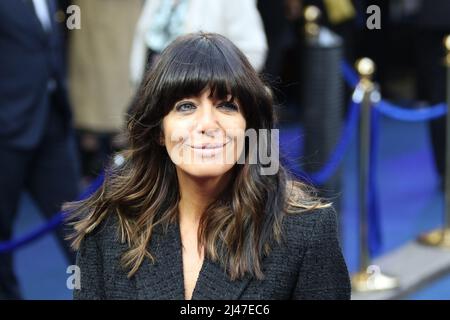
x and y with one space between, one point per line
308 264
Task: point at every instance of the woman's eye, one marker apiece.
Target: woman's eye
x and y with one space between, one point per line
230 106
183 107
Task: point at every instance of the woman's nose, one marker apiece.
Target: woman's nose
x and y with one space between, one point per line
207 121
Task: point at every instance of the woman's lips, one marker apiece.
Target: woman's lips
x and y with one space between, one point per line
208 146
208 149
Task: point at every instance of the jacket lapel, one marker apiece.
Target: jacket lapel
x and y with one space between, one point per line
29 12
214 284
163 280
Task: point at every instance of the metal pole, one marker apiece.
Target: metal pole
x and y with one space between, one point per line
312 15
364 158
370 277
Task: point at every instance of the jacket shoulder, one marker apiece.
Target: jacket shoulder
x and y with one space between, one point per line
307 226
107 231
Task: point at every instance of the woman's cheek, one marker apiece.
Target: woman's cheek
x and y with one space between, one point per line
177 131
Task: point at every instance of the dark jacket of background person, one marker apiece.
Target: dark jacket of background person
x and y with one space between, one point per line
37 143
432 25
434 14
307 265
28 60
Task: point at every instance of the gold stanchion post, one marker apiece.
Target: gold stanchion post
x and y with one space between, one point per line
441 237
370 277
312 15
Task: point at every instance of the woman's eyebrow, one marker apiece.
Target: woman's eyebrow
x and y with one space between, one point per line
228 98
193 98
213 99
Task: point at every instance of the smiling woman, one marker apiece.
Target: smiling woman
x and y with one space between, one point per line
166 225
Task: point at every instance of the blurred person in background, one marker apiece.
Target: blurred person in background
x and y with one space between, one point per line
99 85
37 144
279 34
432 25
162 21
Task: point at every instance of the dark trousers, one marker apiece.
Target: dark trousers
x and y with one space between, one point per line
431 82
50 174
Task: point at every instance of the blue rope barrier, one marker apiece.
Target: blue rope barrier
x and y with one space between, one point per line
412 115
50 225
321 176
389 109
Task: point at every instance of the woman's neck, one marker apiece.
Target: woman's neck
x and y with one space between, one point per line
196 194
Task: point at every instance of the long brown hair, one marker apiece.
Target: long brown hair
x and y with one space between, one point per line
239 226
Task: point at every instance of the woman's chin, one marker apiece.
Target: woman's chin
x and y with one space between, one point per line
207 170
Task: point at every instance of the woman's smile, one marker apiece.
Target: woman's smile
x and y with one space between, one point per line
208 149
208 145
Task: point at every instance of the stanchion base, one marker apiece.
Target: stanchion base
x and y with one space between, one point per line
377 281
437 238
